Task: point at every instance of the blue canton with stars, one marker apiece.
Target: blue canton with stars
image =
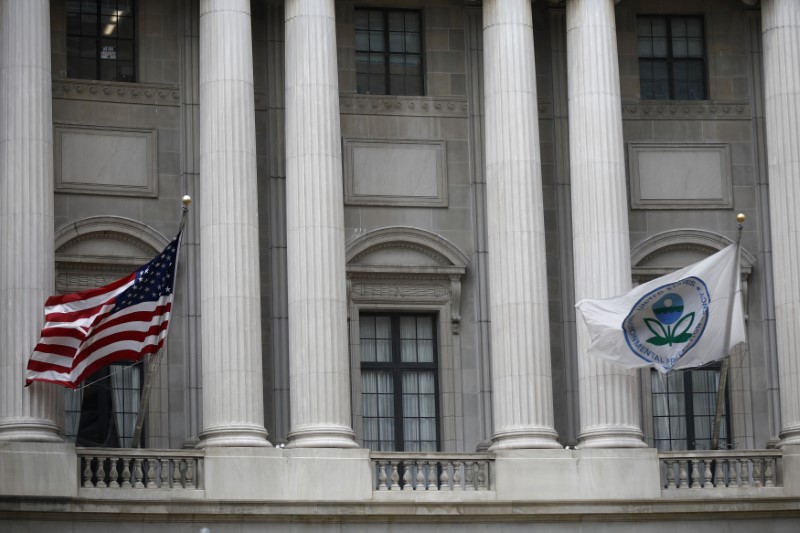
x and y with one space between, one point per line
153 280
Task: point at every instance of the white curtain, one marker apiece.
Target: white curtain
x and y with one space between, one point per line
377 398
73 398
419 411
126 383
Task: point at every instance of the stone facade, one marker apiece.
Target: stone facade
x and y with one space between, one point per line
527 175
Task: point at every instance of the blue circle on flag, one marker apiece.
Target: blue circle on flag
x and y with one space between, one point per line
668 321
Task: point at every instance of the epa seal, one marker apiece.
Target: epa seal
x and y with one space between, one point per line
668 321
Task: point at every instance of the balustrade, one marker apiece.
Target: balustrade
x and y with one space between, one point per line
712 470
109 468
409 471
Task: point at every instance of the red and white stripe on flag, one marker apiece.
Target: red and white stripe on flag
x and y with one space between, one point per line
122 321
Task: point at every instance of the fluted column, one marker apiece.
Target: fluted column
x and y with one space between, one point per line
609 405
521 378
780 25
233 403
27 274
319 378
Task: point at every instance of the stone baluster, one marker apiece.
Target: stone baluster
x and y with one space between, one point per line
150 483
707 484
190 474
233 402
407 485
733 476
165 473
609 404
126 473
381 476
670 474
177 480
757 465
27 278
319 361
695 474
719 473
444 477
113 472
395 476
744 468
483 476
137 473
682 473
522 396
470 474
420 476
780 26
769 473
432 477
87 473
457 476
101 473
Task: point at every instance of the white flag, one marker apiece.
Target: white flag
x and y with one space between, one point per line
676 321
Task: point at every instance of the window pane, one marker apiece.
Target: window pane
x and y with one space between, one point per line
383 327
88 47
108 6
643 27
108 70
397 42
362 41
413 43
694 27
88 25
660 47
678 27
376 20
412 21
73 24
125 28
89 6
659 26
108 25
645 47
396 21
376 41
695 48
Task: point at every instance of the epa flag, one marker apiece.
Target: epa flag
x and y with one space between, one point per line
682 320
122 321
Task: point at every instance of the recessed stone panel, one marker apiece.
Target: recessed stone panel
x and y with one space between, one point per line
105 160
397 172
680 176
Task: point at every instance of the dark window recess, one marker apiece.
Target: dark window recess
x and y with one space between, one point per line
399 384
103 412
101 40
388 52
684 406
671 57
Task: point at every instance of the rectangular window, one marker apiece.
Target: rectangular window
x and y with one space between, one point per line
103 411
388 51
671 57
399 389
684 406
101 42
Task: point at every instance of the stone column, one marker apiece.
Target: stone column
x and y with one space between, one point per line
609 403
233 403
319 369
780 24
27 275
521 377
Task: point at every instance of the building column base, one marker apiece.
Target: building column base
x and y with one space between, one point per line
525 438
611 437
29 430
246 436
790 436
322 436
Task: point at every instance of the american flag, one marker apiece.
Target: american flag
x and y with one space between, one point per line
122 321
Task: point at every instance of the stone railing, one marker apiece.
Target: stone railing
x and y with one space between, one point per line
433 471
117 468
716 470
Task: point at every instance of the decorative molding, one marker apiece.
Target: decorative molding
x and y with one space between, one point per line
686 110
697 240
395 172
412 106
128 230
386 285
117 92
680 175
145 185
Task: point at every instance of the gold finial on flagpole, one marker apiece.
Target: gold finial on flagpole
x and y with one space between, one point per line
740 218
186 200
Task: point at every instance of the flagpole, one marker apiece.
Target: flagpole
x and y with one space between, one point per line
723 373
152 367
